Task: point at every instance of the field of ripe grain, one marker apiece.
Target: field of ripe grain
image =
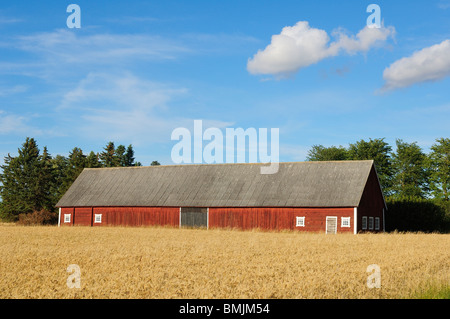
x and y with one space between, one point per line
120 262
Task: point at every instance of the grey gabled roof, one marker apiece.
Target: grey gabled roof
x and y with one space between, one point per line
296 184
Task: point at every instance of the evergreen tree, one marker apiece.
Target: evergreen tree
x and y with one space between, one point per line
108 156
46 180
92 160
129 156
10 190
120 156
22 189
75 164
60 165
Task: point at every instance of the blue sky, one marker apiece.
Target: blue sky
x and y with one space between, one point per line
135 71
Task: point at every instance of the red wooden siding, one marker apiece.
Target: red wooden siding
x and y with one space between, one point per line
65 211
278 218
243 218
83 216
138 216
272 218
125 216
372 202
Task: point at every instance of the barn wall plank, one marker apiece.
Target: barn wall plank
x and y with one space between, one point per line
82 216
138 216
275 218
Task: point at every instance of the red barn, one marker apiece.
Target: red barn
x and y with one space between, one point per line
329 197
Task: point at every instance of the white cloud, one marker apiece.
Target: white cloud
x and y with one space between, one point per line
118 106
62 53
68 46
429 64
299 46
6 20
103 90
124 107
443 4
295 47
11 123
5 91
363 41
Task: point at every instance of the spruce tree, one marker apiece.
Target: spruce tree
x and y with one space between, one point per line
75 165
120 156
23 189
46 181
92 160
60 165
129 156
108 156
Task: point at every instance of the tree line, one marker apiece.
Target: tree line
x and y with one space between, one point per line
34 181
416 185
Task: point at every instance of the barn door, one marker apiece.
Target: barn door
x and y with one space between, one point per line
331 225
194 217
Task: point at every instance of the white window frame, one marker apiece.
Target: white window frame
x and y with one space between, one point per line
377 223
66 218
364 222
98 218
299 221
345 221
370 223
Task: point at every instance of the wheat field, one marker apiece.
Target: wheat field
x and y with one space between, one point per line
158 262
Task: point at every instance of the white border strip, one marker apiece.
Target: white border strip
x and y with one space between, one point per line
355 220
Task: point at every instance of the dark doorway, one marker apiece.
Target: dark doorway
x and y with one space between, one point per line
194 217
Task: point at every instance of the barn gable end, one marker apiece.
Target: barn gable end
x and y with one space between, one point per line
372 204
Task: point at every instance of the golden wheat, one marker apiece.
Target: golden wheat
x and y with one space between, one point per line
157 262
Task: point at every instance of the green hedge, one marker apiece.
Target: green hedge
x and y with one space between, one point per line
416 215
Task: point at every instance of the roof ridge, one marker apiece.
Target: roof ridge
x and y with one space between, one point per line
218 164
